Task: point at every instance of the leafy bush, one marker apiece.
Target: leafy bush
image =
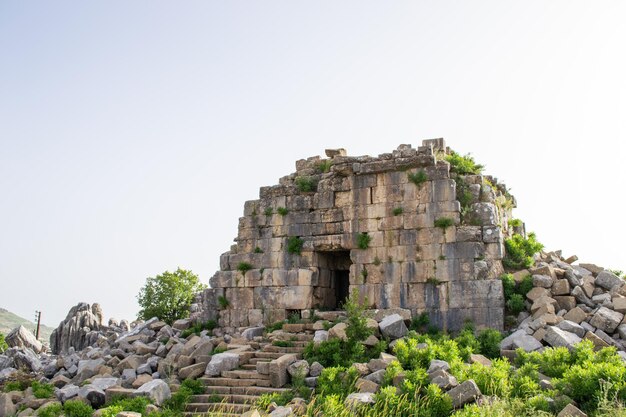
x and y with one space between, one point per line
525 285
515 222
305 184
463 165
282 211
244 267
275 326
520 251
489 340
54 410
119 404
77 408
168 296
3 344
418 178
515 304
444 222
337 380
258 250
294 245
281 399
508 285
268 211
223 302
363 240
42 390
420 322
324 166
398 211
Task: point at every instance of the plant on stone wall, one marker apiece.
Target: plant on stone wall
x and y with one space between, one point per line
223 302
244 267
269 211
520 251
258 250
463 165
398 211
282 211
305 184
324 166
418 178
363 240
444 222
515 223
294 245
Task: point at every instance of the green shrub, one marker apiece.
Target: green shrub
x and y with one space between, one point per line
324 166
283 343
363 240
275 326
42 390
420 322
337 380
269 211
305 184
398 211
444 222
294 245
525 285
525 381
282 211
520 251
119 404
515 222
489 340
515 304
54 410
418 178
195 386
491 380
244 267
508 285
197 328
463 165
281 399
294 318
77 408
258 250
3 344
223 302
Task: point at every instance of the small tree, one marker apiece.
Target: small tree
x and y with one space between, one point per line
168 296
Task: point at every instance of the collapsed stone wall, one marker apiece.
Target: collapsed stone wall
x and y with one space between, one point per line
329 205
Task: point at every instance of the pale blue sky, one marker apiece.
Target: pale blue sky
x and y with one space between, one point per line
131 133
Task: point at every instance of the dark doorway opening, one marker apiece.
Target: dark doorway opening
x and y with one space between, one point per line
334 283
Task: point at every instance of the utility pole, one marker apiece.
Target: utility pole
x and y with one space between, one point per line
38 321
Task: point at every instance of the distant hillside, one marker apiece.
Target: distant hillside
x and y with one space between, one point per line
9 321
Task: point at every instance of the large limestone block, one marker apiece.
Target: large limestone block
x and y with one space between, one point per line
484 214
7 408
608 280
393 327
20 337
572 327
606 319
556 337
571 410
192 371
292 298
279 375
464 393
520 339
157 390
222 362
476 294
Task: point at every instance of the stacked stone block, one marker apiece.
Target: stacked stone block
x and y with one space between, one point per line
449 273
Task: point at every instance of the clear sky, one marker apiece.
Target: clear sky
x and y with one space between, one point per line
131 133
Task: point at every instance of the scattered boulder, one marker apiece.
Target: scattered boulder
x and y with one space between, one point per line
7 408
556 337
222 362
393 327
606 319
20 337
157 390
464 393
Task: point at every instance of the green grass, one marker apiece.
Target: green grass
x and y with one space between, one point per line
324 166
258 250
305 184
283 343
398 211
42 390
223 302
269 211
282 211
244 267
444 222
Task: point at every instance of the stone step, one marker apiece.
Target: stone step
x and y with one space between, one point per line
228 398
234 382
241 374
249 367
280 349
230 408
254 361
268 355
249 390
294 337
189 414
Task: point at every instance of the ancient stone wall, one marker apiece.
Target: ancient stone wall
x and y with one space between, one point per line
372 224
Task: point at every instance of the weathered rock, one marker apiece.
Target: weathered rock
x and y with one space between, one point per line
598 343
192 371
359 399
608 280
78 330
561 287
157 390
438 365
316 369
464 393
128 414
141 380
364 385
298 368
520 339
572 327
320 336
393 327
20 337
89 368
606 319
282 412
253 332
556 337
338 331
67 392
443 380
24 358
95 396
7 409
619 304
278 370
571 411
577 315
222 362
542 281
378 377
181 324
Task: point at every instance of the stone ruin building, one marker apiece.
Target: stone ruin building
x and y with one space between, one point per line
400 228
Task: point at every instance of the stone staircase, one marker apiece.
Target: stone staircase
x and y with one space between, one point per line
235 392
